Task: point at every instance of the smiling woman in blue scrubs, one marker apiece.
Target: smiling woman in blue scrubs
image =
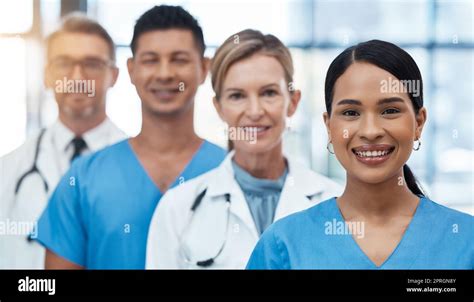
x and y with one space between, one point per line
383 220
100 213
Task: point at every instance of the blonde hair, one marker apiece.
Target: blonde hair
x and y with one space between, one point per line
77 22
243 45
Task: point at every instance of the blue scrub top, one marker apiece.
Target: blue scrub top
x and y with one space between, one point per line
99 214
436 238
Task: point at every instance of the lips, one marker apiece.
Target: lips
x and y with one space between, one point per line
257 130
164 93
374 154
254 128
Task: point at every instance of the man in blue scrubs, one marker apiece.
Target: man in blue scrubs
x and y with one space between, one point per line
99 215
436 238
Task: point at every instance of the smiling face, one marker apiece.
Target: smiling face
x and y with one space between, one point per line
255 99
167 70
372 131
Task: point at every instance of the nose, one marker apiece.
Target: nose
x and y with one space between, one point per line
164 72
370 128
77 73
254 108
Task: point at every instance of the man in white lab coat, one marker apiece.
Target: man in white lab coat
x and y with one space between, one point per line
80 68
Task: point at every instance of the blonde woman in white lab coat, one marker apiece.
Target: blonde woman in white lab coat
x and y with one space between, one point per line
215 220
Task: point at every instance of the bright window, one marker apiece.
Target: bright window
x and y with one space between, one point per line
16 16
13 88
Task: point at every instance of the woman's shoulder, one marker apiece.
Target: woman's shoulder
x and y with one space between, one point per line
448 214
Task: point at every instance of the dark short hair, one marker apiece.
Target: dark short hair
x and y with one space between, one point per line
79 23
168 17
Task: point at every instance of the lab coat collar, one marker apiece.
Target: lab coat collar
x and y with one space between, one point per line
219 184
62 136
300 184
94 138
103 132
299 177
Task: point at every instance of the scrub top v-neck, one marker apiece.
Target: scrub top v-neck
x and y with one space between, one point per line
436 238
405 251
99 215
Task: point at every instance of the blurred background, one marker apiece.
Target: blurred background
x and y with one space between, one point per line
438 34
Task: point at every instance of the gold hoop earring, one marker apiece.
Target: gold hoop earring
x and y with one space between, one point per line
327 147
419 145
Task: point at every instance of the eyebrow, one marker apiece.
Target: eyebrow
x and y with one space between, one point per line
180 52
390 100
349 102
88 57
232 89
263 87
174 53
92 58
148 53
379 102
270 85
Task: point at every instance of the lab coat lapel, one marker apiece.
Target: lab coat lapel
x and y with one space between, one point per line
300 186
224 183
240 208
50 161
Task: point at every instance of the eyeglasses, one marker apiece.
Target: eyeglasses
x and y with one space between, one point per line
91 67
209 261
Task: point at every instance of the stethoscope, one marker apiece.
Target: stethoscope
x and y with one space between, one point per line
206 262
34 169
210 261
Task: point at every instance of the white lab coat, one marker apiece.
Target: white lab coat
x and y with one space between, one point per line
207 232
19 213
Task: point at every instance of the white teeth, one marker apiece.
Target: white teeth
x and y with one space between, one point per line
372 153
254 129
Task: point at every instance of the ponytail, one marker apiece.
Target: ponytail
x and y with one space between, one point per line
230 145
411 182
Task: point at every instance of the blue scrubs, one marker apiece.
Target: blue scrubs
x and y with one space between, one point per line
99 214
436 238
